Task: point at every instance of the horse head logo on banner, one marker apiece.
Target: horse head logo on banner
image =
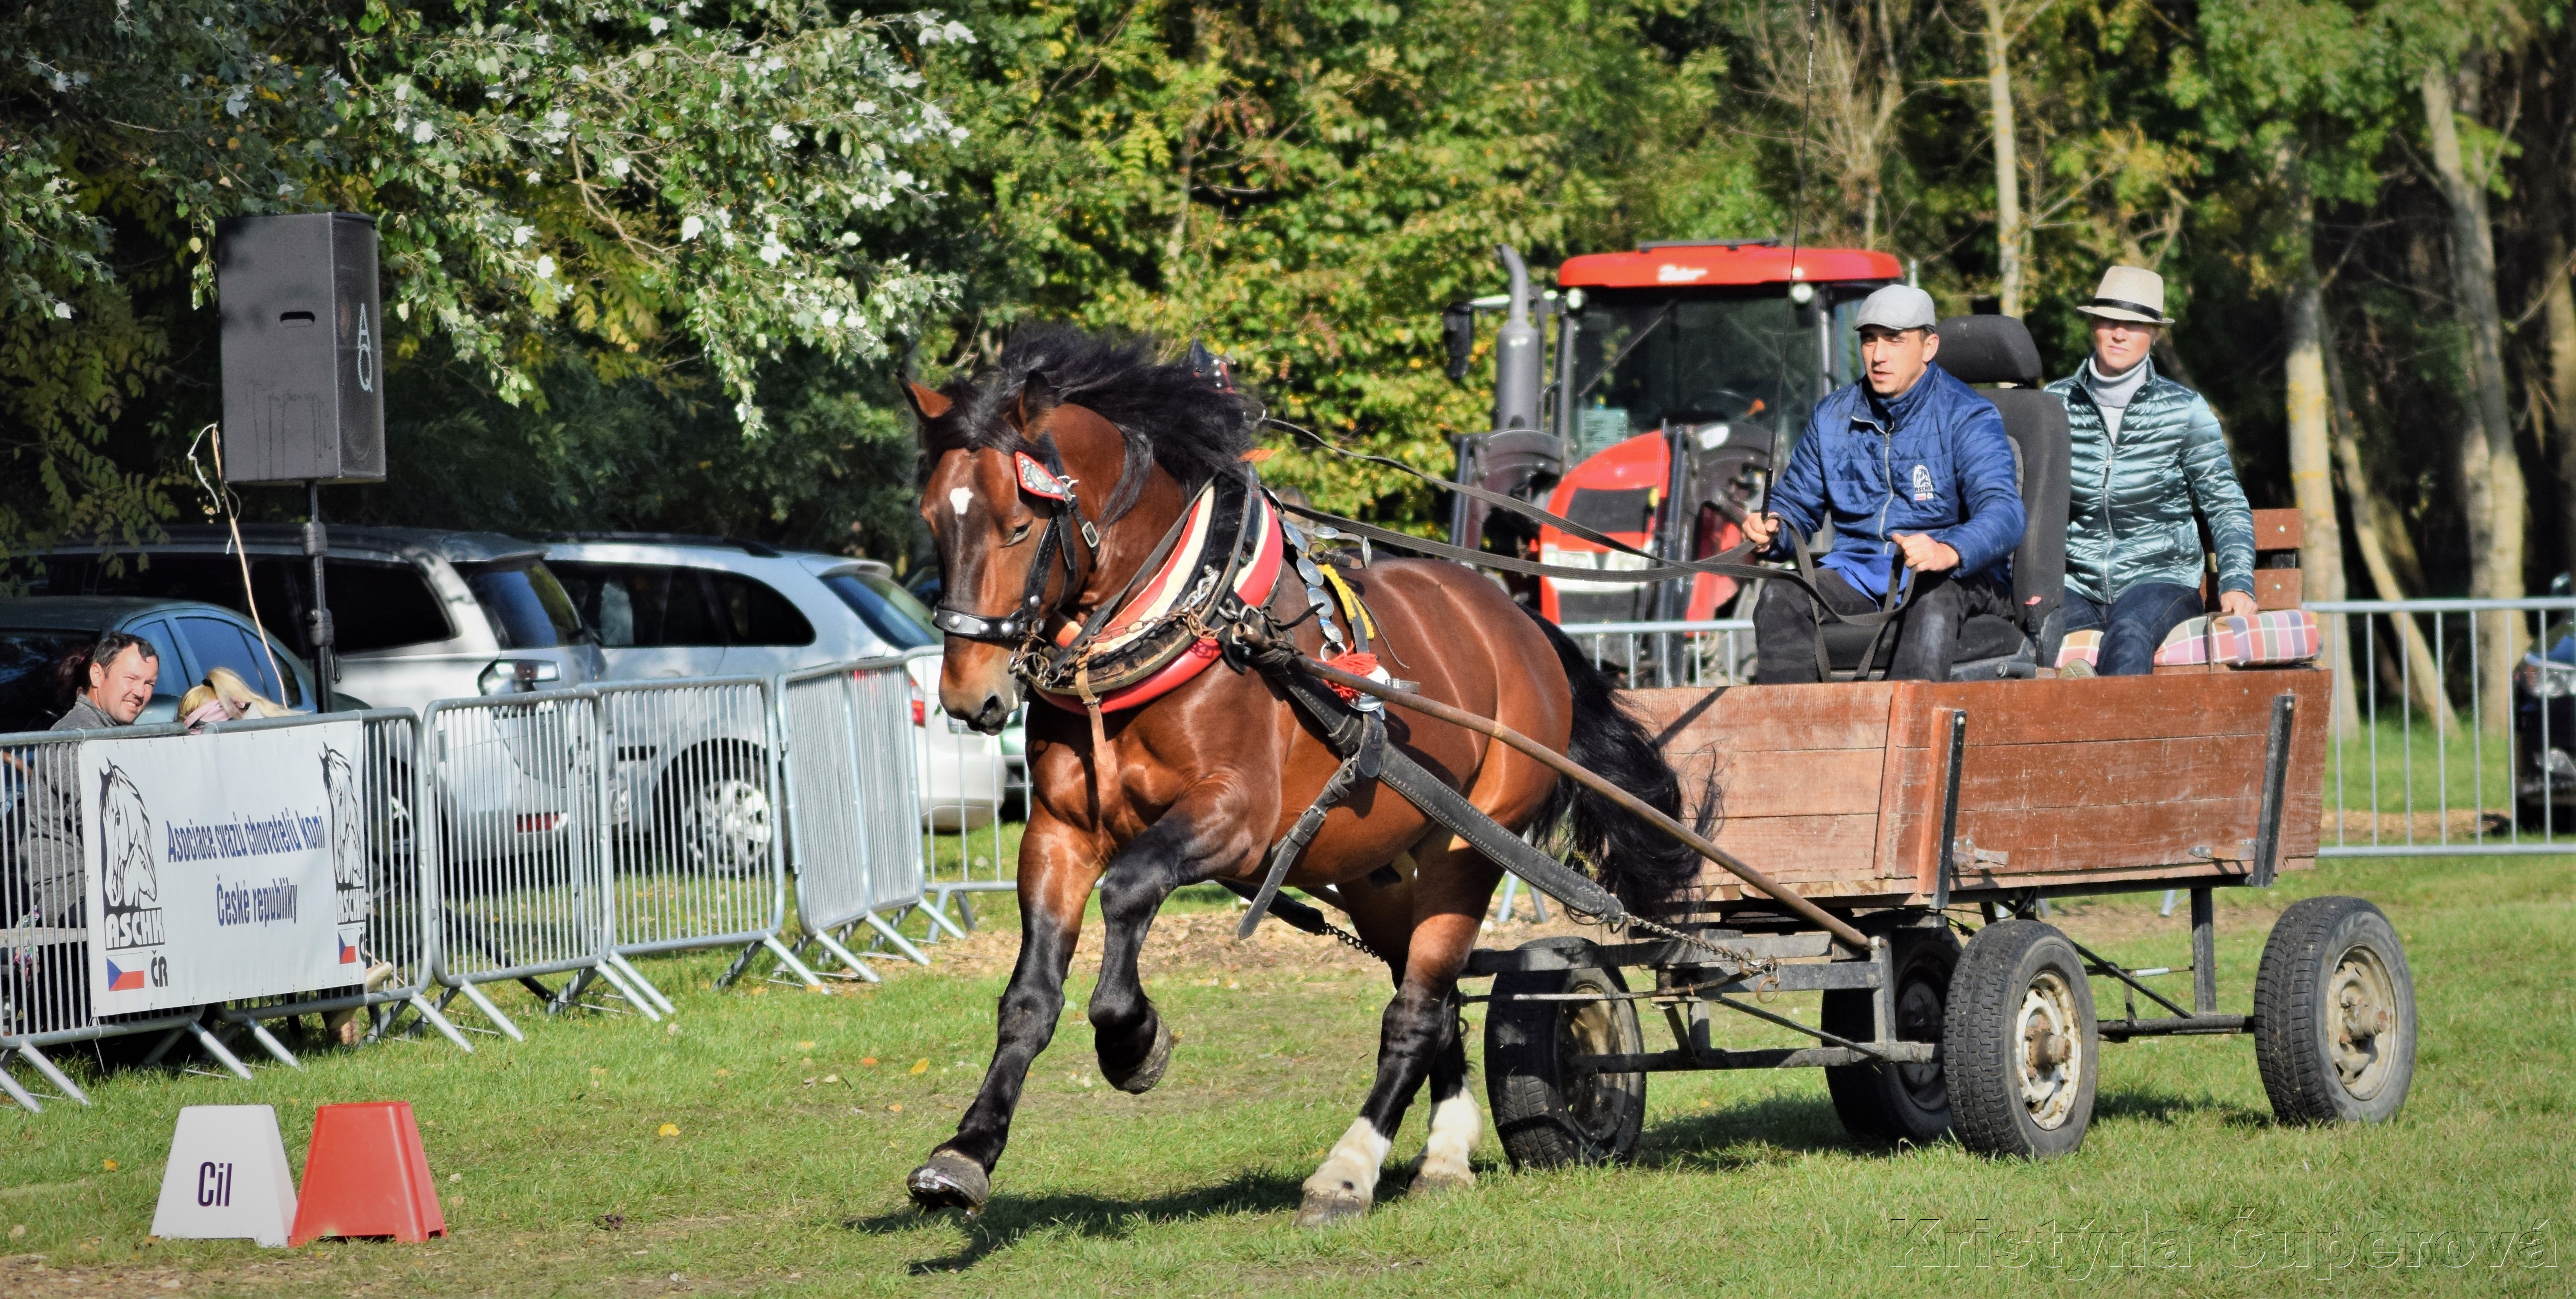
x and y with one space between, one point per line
129 872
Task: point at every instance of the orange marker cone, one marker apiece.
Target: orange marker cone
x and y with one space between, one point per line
366 1175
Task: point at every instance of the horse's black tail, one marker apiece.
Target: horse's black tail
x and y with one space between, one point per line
1640 863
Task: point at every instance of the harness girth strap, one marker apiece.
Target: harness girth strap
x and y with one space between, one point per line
1363 763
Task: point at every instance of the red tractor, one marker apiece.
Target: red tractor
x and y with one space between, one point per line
1677 374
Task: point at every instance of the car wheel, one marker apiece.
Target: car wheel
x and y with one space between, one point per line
722 824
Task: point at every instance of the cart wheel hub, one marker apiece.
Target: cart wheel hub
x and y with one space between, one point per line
2360 993
2050 1064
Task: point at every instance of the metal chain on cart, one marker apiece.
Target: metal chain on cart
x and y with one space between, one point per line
1731 955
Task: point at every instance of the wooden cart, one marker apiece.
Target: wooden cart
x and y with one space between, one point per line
1900 805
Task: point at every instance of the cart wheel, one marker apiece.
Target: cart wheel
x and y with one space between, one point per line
2334 1014
2019 1043
1906 1102
1549 1111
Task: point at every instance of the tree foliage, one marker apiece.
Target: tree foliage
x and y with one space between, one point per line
661 259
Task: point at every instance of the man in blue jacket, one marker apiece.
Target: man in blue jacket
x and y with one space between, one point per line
1914 471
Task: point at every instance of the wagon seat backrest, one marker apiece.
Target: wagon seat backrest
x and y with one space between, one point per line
1996 354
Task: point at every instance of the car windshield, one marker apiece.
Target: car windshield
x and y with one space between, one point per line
887 609
1746 361
526 606
28 701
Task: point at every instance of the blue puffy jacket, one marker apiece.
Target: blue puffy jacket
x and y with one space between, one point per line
1945 468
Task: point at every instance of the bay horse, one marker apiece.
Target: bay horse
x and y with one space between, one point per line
1051 480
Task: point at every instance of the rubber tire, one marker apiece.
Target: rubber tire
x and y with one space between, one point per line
1548 1115
1898 1103
679 826
1981 1053
2292 1027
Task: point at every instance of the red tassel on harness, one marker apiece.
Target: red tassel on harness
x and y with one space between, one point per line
1358 665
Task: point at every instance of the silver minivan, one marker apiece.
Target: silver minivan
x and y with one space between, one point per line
682 606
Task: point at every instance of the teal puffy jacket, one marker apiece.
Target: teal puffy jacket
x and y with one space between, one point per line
2130 516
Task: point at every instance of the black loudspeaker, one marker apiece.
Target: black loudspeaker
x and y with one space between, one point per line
304 385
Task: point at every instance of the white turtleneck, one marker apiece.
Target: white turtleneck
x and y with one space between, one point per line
2111 392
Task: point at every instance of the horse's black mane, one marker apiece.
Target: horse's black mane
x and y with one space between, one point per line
1170 415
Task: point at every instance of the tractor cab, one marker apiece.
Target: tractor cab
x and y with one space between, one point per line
1674 376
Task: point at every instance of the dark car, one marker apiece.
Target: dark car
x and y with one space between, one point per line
190 637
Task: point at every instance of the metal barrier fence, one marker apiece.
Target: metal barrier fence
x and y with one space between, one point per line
517 825
1658 655
967 846
691 792
854 794
397 955
2455 722
45 963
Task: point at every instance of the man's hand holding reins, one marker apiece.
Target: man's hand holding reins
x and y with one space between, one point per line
1761 528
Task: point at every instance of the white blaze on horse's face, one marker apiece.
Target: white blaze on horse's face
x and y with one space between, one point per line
957 499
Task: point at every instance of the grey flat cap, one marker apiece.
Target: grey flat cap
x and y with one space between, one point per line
1898 306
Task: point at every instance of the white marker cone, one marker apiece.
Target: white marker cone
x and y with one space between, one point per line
227 1178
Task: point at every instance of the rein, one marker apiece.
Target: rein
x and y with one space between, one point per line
1729 564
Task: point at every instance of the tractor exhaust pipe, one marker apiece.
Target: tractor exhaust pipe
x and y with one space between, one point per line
1517 358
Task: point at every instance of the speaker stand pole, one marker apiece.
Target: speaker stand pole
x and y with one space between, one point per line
326 665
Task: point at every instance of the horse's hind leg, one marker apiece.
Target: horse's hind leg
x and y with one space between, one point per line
1415 1037
1055 881
1455 1120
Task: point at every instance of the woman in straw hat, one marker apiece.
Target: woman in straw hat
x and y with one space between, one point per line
2147 454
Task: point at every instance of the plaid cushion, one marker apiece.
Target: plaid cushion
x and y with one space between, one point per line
2273 636
2083 647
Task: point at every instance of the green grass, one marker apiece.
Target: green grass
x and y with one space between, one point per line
1745 1182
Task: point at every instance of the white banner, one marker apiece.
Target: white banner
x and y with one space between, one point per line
224 866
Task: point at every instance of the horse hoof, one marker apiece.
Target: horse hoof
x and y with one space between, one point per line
1428 1182
949 1180
1330 1208
1148 1071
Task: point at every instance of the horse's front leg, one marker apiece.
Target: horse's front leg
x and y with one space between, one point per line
1057 867
1207 834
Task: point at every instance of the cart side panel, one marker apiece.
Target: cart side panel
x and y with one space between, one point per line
2109 779
1796 773
1837 789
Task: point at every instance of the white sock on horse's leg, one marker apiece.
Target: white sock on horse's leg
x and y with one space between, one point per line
1455 1124
1352 1167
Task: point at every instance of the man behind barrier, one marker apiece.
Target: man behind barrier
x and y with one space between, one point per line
109 683
1911 466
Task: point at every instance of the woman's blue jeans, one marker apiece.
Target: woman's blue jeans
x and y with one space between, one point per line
2133 625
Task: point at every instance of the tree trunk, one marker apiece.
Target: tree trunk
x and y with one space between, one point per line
2009 237
2369 515
2312 438
2489 468
2558 309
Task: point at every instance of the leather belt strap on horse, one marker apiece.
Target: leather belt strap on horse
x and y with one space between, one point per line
1450 808
1365 762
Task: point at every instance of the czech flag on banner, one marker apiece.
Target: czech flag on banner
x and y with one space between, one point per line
123 980
348 952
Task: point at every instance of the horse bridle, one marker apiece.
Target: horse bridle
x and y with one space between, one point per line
1049 482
